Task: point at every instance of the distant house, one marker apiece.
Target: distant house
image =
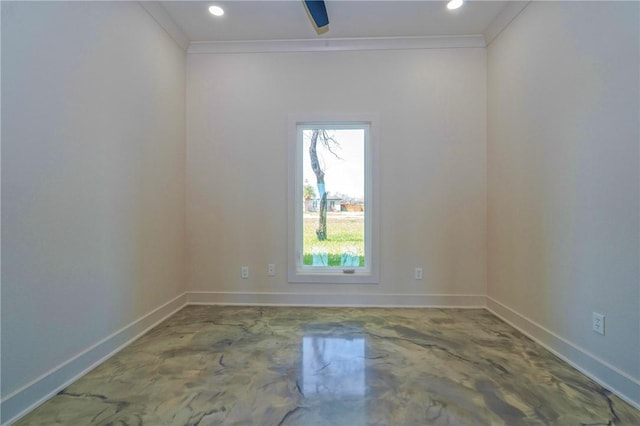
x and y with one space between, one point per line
334 204
346 207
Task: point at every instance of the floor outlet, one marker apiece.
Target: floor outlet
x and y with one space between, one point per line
271 270
245 272
418 273
598 323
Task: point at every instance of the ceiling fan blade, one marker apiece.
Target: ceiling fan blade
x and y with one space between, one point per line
318 12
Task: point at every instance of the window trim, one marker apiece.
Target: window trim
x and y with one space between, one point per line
368 274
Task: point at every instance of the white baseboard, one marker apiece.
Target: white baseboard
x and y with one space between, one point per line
335 299
20 402
612 378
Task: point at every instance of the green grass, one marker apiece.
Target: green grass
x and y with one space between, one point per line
343 230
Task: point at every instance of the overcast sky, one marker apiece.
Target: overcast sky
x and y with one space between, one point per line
345 176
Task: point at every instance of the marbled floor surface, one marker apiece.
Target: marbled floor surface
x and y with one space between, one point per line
212 365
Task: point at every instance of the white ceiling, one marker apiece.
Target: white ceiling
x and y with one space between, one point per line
288 20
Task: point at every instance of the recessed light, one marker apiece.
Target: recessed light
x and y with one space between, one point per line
454 4
216 11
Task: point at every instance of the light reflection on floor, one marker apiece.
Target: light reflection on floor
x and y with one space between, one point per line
234 365
333 366
333 374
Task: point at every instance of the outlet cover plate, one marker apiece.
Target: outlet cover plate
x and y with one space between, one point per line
598 323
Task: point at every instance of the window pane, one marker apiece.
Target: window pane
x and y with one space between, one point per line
333 169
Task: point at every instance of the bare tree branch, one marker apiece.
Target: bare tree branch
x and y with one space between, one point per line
331 144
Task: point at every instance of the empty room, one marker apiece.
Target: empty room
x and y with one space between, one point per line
320 213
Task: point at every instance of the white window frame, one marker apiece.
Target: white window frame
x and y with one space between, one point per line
297 273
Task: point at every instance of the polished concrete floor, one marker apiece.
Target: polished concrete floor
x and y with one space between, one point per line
209 365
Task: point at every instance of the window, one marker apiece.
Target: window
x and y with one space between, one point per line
332 202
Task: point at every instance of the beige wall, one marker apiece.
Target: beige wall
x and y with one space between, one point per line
93 175
93 125
563 177
432 166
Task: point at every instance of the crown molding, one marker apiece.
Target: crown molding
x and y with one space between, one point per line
336 44
160 15
503 19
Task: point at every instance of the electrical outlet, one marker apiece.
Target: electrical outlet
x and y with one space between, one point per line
245 272
598 323
271 269
418 274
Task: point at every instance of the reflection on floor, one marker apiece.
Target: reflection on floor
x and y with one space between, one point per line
211 365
